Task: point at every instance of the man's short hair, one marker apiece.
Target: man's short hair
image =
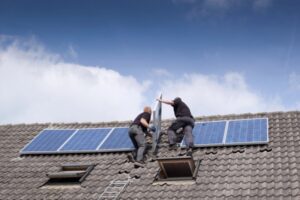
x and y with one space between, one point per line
147 109
177 99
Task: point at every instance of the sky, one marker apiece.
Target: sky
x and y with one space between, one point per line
92 61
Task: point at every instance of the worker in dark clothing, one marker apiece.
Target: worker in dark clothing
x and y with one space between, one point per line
184 120
137 132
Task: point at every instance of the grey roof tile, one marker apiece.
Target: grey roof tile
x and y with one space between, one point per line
251 172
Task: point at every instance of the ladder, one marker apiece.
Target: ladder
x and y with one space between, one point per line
114 189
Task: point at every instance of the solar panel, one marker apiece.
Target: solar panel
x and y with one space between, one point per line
247 131
157 123
86 139
117 140
48 141
230 132
208 133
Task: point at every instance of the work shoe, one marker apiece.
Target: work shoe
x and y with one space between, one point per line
182 152
189 152
130 158
172 147
139 164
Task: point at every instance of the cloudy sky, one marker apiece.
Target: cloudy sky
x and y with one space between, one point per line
79 61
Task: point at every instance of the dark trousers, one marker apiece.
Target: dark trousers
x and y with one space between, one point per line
187 124
137 137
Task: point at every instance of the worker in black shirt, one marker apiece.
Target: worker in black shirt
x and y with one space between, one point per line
137 132
184 120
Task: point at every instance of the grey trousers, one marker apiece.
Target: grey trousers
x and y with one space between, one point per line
187 124
137 137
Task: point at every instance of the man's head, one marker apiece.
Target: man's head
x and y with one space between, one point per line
147 109
177 99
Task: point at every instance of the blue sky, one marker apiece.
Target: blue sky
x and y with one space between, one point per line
163 45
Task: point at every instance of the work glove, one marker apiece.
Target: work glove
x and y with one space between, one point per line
152 128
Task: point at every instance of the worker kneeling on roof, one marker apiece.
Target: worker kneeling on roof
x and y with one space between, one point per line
184 120
137 132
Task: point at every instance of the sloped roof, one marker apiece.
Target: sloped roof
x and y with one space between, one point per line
255 172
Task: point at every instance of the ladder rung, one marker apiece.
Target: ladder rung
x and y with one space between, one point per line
118 184
108 196
121 182
111 190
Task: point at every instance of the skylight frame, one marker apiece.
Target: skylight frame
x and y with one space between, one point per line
193 167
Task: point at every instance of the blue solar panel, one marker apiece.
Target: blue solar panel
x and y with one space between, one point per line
208 133
117 140
157 123
247 131
86 140
48 140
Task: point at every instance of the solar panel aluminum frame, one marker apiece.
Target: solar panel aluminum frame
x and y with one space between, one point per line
42 152
157 123
225 135
98 150
249 143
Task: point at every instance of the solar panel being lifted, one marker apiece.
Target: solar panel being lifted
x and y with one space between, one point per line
230 132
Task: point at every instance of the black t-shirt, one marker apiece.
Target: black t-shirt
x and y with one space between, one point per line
137 120
181 109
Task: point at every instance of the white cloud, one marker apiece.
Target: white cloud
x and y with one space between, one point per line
36 86
72 52
161 72
210 95
219 8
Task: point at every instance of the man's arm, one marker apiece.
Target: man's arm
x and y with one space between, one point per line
168 102
144 122
147 125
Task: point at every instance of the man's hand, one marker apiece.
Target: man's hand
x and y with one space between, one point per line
169 102
152 128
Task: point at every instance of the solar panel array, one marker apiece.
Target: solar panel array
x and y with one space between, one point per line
79 141
230 132
215 133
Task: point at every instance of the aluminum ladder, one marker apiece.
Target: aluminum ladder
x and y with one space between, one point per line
114 189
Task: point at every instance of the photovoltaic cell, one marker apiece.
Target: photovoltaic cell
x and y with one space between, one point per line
117 140
247 131
209 133
48 140
86 139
